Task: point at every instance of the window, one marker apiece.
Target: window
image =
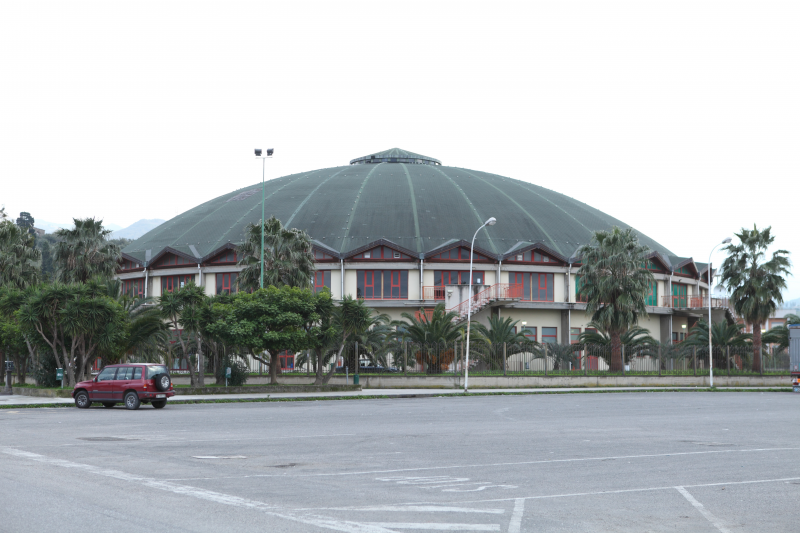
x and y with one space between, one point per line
173 283
125 373
458 254
382 284
127 264
532 256
286 360
652 296
574 335
530 333
549 335
382 253
133 287
674 336
172 260
684 270
322 279
152 370
228 256
226 283
457 277
137 373
678 295
107 374
578 296
535 287
322 256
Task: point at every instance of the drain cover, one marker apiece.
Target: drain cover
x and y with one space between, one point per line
105 439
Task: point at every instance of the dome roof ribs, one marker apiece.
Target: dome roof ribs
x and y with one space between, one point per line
395 155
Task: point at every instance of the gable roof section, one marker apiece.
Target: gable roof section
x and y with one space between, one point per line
459 244
168 250
522 247
381 242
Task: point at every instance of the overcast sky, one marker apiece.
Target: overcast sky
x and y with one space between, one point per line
679 118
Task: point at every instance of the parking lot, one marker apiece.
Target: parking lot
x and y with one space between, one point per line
672 461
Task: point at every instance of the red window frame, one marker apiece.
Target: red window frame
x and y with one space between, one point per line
554 336
226 281
286 360
168 283
171 260
531 337
127 264
533 283
382 253
227 257
459 254
368 285
322 279
533 256
322 256
133 287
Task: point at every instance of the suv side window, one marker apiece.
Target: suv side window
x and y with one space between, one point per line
107 374
125 373
137 373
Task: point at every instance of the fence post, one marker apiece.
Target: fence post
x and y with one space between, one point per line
405 358
504 359
659 360
623 359
585 357
455 356
545 358
728 357
694 359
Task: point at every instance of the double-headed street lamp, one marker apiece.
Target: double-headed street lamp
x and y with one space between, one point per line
263 159
491 222
710 282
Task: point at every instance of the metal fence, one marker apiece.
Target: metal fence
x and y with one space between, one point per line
547 359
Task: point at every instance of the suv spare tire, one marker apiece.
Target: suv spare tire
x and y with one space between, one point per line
162 382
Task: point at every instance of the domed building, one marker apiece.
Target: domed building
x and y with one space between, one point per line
395 227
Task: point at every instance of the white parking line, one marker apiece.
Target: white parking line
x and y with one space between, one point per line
414 509
435 526
516 516
703 511
489 465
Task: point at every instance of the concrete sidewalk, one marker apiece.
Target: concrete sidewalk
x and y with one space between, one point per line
24 401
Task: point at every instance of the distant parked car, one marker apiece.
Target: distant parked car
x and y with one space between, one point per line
131 385
368 369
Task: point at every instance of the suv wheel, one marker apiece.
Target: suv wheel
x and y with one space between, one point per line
162 382
82 400
132 401
159 404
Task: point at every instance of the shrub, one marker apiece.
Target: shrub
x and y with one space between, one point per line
45 372
239 371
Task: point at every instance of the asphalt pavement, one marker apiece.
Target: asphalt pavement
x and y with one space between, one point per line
667 461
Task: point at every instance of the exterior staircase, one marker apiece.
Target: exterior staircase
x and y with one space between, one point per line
497 294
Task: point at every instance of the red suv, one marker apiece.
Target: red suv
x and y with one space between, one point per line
132 385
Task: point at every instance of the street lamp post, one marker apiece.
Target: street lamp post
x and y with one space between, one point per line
491 222
710 282
263 165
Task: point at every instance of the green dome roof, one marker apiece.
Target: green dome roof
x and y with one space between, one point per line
419 207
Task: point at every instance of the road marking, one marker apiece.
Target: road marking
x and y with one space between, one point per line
446 483
202 494
703 511
488 465
621 491
415 509
516 516
435 526
219 457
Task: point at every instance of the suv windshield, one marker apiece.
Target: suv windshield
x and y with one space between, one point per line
153 370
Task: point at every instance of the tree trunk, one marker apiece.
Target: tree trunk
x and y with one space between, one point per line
201 363
318 370
757 347
273 367
616 352
330 373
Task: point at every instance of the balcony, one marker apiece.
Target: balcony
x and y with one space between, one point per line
692 302
490 295
433 292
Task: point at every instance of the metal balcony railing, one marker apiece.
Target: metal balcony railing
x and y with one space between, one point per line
692 302
433 292
498 291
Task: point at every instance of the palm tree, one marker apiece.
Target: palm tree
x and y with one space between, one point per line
722 334
779 335
288 258
489 342
84 252
433 337
634 336
755 284
614 284
18 257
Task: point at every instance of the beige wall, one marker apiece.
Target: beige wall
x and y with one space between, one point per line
413 285
336 284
